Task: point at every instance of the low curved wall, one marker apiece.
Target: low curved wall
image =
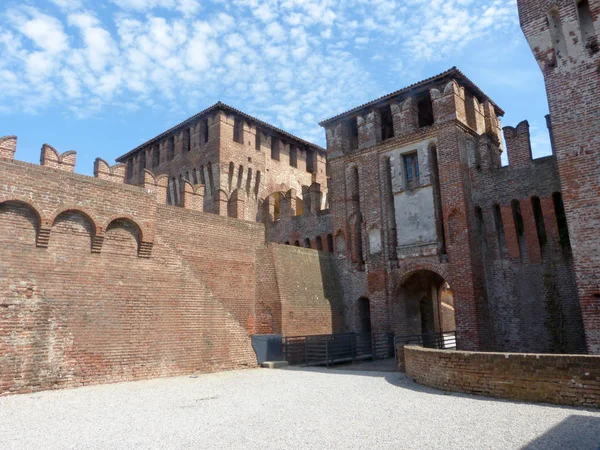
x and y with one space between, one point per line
561 379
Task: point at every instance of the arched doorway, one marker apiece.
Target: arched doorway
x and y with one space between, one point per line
424 304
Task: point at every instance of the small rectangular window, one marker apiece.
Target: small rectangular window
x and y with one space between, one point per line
411 168
293 156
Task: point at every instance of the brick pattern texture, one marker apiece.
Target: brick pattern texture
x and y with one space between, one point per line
100 283
561 379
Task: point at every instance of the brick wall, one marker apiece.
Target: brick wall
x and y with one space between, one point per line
513 283
565 42
309 290
99 283
562 379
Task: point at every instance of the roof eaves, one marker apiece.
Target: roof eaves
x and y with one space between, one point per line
454 71
219 106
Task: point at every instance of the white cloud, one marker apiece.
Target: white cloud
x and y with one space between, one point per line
288 61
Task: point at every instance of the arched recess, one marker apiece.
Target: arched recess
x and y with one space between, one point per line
356 241
423 303
72 230
122 237
19 222
271 206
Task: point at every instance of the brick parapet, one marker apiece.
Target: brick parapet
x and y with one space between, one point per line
51 158
572 380
8 147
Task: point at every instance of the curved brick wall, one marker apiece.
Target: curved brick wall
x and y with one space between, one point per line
562 379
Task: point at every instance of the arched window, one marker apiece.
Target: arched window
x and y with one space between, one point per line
307 243
297 243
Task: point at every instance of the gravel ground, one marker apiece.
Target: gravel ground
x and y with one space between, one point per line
285 409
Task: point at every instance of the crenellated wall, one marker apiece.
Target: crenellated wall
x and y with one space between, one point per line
564 37
531 291
421 208
308 226
101 281
240 160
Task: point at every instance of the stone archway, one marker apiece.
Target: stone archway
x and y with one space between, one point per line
423 304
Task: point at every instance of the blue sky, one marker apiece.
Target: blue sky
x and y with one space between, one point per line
101 77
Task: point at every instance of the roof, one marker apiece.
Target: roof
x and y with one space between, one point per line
220 106
452 73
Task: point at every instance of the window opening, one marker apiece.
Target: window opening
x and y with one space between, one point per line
411 168
238 131
275 149
387 123
425 108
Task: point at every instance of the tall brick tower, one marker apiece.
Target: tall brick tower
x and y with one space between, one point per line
564 36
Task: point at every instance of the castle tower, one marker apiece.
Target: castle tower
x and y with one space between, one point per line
563 36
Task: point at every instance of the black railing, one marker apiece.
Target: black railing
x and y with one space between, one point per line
329 349
443 341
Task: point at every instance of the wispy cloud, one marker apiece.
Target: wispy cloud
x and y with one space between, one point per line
290 61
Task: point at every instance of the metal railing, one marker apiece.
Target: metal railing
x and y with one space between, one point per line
442 341
329 349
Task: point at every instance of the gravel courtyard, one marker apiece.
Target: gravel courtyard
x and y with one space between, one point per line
290 408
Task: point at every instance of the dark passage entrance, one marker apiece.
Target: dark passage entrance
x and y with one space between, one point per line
364 315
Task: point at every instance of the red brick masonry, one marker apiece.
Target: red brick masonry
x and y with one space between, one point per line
561 379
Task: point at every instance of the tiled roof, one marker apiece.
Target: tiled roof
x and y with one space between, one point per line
219 106
449 74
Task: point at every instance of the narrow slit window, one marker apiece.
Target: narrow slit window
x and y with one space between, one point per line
481 229
561 220
293 156
539 221
500 231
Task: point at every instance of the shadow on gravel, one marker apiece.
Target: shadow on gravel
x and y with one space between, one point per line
400 380
582 430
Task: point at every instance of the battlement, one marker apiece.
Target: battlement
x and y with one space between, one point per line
303 223
8 147
518 144
111 194
562 35
104 171
443 98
